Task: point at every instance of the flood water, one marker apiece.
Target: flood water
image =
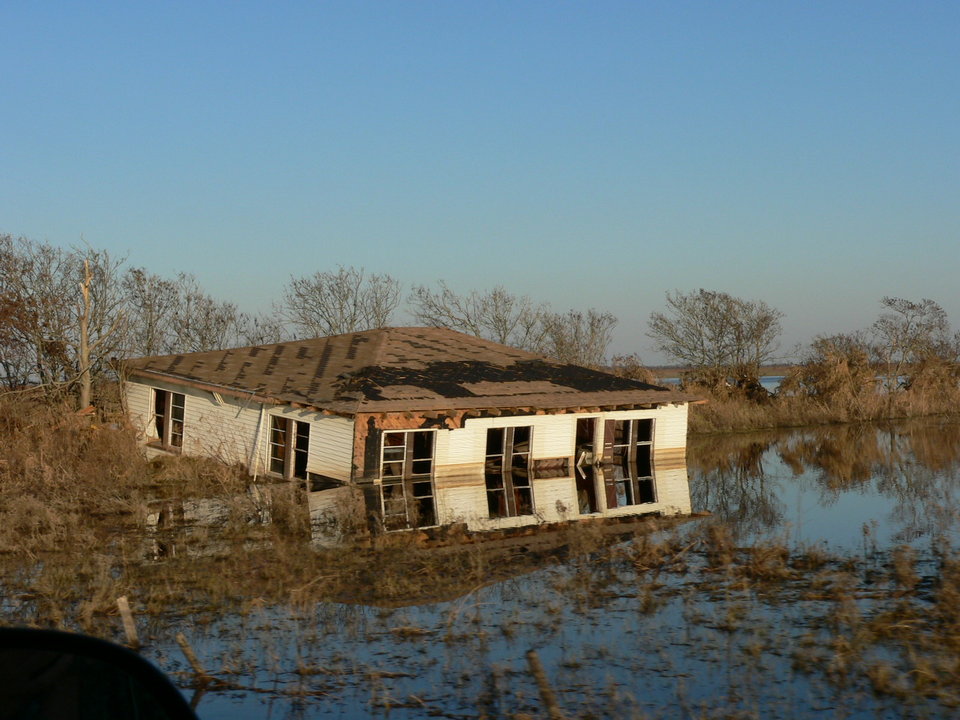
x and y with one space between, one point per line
628 630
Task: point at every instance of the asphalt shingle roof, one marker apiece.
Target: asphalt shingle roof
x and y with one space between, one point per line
400 369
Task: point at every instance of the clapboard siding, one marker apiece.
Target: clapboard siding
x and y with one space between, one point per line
228 430
669 424
331 448
673 491
137 399
555 500
553 437
224 431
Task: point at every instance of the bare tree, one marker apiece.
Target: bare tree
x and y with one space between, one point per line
67 312
16 319
717 334
100 318
261 329
579 338
907 333
37 281
494 314
200 322
333 303
151 305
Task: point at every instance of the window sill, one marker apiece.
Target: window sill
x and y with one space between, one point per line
157 445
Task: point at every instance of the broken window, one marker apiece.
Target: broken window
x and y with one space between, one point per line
507 471
289 447
406 480
168 413
630 479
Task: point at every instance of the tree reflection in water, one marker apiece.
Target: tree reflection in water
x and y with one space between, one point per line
750 480
728 477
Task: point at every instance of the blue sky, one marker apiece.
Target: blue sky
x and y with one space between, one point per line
588 154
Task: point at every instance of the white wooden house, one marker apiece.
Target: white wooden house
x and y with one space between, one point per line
436 427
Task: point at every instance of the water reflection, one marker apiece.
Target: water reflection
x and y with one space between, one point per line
501 497
831 484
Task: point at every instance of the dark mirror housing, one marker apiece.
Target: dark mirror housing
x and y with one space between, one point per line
54 674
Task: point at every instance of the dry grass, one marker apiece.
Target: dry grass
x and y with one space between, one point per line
727 411
69 480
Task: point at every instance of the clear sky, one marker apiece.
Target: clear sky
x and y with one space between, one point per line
588 154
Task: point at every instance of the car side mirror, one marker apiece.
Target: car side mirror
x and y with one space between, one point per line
54 674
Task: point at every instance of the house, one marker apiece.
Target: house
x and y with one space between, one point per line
434 426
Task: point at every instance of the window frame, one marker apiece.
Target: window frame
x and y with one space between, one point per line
508 474
293 458
169 420
627 486
408 495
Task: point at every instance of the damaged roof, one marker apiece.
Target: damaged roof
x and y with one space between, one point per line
399 369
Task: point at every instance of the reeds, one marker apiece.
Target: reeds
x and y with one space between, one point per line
828 394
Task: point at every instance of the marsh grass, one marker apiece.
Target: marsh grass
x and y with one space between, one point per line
827 394
894 636
270 613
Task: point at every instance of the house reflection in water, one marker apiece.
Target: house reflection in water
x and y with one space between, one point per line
512 498
617 466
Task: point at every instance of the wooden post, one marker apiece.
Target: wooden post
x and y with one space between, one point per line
129 627
546 692
192 658
83 359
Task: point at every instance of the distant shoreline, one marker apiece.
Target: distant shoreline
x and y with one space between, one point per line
675 371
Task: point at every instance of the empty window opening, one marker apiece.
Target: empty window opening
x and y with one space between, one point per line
289 447
406 474
168 413
630 479
507 472
587 490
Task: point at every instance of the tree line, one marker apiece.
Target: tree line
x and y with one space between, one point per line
724 341
67 313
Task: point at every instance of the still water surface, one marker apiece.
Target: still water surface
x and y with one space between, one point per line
615 640
621 635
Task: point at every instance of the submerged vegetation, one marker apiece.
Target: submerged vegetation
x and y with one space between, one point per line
724 616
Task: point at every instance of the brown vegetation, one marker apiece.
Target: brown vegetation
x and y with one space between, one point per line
75 494
836 384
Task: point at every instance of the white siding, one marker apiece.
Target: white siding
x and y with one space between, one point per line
459 456
223 431
229 429
463 450
331 447
331 442
137 398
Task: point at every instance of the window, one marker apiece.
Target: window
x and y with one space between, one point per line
630 481
507 471
406 479
289 447
168 411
